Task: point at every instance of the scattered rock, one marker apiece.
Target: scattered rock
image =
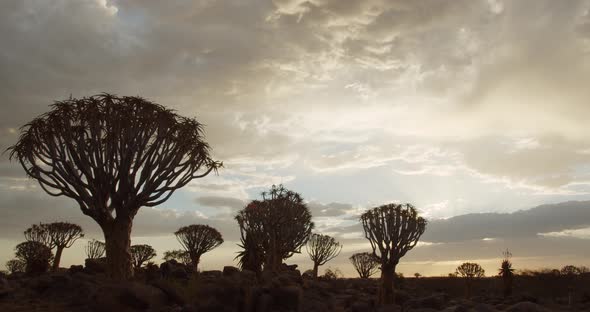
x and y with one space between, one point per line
526 307
230 271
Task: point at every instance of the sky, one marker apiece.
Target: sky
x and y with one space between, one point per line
474 111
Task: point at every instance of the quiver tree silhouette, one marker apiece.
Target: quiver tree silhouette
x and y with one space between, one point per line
95 249
321 249
38 233
198 239
470 271
392 230
507 273
180 256
58 235
35 256
366 264
113 155
15 266
141 254
62 235
570 270
277 226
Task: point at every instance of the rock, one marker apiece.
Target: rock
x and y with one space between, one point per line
212 274
5 288
390 308
482 307
436 301
94 266
173 269
127 297
278 299
230 271
76 269
526 307
172 293
457 308
362 306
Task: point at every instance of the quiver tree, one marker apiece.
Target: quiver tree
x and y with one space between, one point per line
95 249
366 264
15 266
275 227
38 233
180 256
251 257
62 235
507 273
35 256
113 155
198 239
392 230
470 271
141 254
321 249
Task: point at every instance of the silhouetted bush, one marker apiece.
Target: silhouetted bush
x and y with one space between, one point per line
15 266
36 256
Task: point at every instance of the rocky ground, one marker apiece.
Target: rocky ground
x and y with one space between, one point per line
172 287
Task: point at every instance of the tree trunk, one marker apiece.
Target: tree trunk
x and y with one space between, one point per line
386 292
468 290
57 258
196 261
315 270
117 236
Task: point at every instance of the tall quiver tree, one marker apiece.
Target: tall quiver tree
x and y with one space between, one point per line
277 226
198 239
392 230
113 155
321 249
470 271
507 273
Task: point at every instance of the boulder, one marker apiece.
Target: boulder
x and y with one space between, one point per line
94 266
436 301
5 288
173 269
127 297
230 271
526 307
76 269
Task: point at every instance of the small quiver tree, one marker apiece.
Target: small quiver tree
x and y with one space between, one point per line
366 264
62 235
141 254
321 249
38 233
198 239
15 266
180 256
392 230
470 271
94 249
35 256
507 273
278 225
113 155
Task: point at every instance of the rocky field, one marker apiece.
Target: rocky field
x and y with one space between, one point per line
172 287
